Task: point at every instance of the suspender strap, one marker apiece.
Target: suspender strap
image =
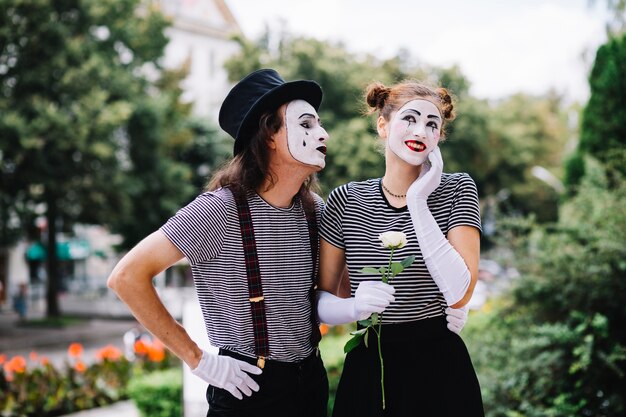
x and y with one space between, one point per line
253 272
255 289
311 219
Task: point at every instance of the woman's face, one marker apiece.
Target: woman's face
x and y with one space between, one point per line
306 138
414 131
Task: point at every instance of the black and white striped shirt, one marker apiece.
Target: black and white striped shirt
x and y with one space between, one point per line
357 212
207 232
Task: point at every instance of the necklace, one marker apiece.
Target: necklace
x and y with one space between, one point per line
390 193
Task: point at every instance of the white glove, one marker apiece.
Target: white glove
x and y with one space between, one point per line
370 297
444 263
456 317
227 373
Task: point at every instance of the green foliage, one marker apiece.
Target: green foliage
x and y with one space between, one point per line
603 132
354 154
158 394
574 170
557 346
498 146
546 369
207 149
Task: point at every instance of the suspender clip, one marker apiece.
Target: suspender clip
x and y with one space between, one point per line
260 362
256 299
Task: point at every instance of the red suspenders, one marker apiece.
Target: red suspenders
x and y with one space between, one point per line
255 289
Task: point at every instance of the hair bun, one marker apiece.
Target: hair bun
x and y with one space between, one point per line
376 95
447 108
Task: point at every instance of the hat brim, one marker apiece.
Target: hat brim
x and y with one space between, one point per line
309 91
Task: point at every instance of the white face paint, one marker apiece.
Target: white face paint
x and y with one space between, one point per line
414 131
306 138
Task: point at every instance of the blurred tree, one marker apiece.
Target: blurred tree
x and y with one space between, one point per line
72 75
208 149
502 145
603 130
170 155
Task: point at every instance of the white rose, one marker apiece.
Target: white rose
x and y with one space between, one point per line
392 240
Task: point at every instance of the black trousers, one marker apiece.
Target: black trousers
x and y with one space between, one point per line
286 390
428 372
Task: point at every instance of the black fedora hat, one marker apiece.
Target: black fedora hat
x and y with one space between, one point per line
260 92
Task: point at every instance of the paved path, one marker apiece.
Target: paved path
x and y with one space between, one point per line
119 409
18 339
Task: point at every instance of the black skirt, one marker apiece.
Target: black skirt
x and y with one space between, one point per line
428 372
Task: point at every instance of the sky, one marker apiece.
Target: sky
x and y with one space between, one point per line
502 46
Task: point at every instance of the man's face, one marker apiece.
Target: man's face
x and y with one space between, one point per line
414 131
306 138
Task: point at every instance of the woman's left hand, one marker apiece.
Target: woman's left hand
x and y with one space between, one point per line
456 318
429 178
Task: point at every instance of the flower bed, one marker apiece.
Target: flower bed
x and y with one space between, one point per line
34 387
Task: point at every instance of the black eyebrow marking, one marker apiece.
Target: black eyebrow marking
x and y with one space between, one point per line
306 115
433 116
412 110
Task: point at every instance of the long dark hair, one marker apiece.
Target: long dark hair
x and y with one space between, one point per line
250 168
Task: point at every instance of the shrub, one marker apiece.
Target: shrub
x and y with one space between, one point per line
158 394
556 345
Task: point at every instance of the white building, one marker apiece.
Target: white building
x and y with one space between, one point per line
201 37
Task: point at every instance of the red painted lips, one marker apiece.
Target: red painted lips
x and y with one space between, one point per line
415 146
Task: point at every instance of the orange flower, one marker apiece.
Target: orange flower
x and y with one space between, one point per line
140 347
33 356
80 366
323 329
156 353
16 364
44 360
109 352
3 359
75 350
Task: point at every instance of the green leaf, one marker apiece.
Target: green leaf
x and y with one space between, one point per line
359 332
365 338
396 268
353 343
374 318
365 323
369 270
406 262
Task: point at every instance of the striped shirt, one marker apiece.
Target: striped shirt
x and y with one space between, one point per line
357 212
207 232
